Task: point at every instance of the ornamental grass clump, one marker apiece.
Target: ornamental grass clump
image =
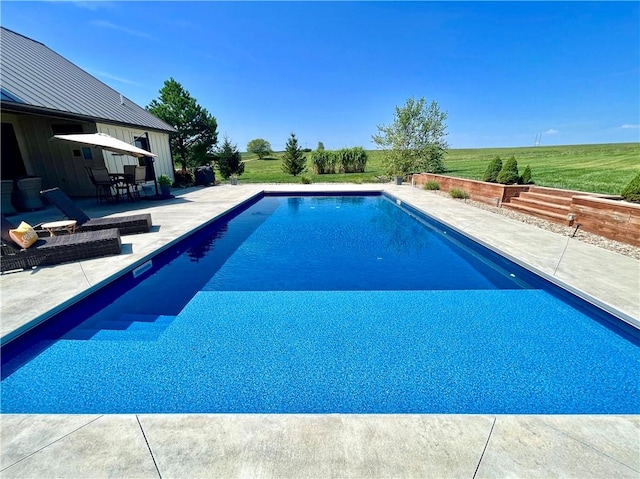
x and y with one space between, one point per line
431 185
632 190
459 194
491 173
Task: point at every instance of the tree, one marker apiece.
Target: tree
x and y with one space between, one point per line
509 173
415 140
196 133
631 192
526 179
229 160
293 161
259 147
320 146
491 173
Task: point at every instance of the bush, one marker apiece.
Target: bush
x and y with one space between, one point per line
491 173
525 179
632 190
183 178
305 180
459 194
431 185
509 173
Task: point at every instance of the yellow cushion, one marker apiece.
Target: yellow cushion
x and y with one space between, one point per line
24 235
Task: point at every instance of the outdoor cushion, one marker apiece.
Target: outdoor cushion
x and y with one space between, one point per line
24 235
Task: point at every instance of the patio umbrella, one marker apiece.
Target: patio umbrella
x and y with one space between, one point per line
106 142
109 143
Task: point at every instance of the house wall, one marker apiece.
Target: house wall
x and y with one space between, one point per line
57 162
63 164
158 144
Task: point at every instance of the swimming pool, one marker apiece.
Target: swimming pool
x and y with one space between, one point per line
326 304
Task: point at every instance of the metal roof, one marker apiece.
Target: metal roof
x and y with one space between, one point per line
35 78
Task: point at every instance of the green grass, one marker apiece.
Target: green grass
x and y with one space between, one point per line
594 168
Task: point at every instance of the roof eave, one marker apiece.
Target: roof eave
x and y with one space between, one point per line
64 115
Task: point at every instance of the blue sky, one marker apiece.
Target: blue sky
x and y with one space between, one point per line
332 71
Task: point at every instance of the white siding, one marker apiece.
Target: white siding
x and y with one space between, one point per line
158 144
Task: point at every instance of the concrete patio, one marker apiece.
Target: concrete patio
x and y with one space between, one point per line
231 445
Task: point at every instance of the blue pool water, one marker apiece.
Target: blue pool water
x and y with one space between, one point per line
326 305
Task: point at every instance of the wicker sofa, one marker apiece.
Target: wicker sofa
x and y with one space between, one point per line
131 224
56 249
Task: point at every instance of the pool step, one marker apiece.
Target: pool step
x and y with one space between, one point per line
547 205
129 327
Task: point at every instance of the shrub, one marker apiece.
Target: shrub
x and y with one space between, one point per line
525 179
305 180
459 194
509 173
164 180
431 185
632 190
491 173
184 178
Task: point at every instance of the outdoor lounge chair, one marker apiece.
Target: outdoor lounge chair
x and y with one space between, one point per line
56 249
140 223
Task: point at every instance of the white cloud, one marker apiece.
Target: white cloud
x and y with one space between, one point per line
628 126
112 77
551 131
113 26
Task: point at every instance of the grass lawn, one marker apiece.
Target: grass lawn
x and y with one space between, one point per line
594 168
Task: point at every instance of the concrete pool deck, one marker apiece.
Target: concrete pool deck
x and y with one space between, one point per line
211 445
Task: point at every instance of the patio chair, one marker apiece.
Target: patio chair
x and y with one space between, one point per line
135 176
131 224
102 182
56 249
27 192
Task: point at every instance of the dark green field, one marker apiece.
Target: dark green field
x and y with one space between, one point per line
595 168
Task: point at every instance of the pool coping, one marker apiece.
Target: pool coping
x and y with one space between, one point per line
321 445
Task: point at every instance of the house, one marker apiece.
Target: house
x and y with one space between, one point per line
42 95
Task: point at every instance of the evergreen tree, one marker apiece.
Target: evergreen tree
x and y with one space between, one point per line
197 130
229 160
632 190
491 173
293 161
525 179
509 173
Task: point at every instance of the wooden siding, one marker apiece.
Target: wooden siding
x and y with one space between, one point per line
612 218
491 193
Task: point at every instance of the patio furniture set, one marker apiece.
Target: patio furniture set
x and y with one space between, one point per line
82 237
